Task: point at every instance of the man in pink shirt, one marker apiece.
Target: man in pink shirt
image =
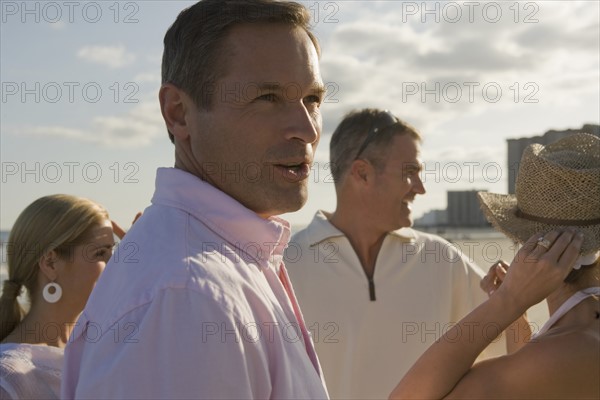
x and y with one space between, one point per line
197 304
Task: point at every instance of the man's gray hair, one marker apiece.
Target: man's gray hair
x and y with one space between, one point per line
351 133
194 58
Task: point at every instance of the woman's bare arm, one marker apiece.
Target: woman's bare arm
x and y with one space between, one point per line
519 332
533 275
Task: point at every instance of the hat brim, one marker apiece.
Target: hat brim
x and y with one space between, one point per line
500 210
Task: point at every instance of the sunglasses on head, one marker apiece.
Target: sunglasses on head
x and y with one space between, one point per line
386 120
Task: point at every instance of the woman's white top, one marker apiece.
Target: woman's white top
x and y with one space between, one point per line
29 371
567 306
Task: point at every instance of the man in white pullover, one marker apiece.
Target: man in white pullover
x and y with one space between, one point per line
375 293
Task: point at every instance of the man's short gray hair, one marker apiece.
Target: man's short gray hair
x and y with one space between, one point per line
193 57
351 133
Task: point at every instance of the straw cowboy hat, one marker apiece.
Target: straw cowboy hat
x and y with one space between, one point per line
558 185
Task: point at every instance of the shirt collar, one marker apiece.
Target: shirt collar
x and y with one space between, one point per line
320 229
262 239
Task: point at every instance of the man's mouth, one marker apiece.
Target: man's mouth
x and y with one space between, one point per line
294 172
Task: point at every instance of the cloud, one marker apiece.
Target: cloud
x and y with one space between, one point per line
137 128
375 57
147 77
111 56
428 47
473 55
457 168
548 38
59 25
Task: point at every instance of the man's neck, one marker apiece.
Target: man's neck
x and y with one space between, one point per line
366 239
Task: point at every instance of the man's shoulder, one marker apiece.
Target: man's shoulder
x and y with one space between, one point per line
193 293
300 237
427 237
158 255
441 250
304 244
318 230
416 237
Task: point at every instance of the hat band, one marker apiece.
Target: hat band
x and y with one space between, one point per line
554 221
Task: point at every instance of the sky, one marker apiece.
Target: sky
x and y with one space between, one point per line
79 110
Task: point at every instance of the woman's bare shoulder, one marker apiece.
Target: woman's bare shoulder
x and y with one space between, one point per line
556 365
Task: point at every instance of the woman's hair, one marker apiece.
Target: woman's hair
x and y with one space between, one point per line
587 274
57 222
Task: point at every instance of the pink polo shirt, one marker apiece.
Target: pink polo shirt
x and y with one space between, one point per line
191 306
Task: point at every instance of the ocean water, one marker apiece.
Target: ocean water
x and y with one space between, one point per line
3 270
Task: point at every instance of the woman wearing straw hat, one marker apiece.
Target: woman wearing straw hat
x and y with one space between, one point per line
556 214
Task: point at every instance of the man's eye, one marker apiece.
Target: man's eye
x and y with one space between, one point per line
267 97
313 99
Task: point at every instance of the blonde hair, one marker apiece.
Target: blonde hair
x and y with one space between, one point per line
57 222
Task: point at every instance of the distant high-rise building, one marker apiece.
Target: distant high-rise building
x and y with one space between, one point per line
463 209
517 146
432 218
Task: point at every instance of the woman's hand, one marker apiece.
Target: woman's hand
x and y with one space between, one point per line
492 281
540 267
120 232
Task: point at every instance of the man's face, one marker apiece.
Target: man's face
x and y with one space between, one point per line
398 183
257 141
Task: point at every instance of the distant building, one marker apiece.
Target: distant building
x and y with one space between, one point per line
464 211
463 208
517 146
433 218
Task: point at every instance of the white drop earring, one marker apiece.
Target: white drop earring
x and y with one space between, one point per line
52 297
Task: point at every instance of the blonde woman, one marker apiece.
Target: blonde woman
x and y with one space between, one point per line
558 196
57 249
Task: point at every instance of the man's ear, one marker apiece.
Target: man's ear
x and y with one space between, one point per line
48 265
361 171
174 104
